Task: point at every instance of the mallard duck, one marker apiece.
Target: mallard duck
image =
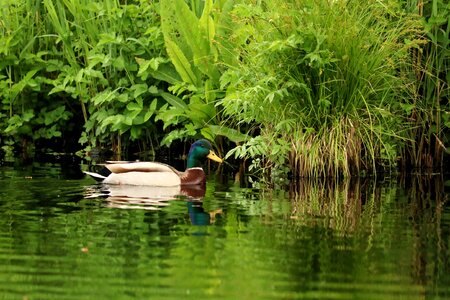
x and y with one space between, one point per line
159 174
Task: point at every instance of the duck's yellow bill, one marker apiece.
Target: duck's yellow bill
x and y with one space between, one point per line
213 156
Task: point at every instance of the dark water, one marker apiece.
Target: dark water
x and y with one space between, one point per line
61 237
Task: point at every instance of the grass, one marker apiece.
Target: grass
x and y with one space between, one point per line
335 75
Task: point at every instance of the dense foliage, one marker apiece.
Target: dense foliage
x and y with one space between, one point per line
318 88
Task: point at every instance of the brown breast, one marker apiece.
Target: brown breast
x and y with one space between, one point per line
193 176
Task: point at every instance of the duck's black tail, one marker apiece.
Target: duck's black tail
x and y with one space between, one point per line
100 175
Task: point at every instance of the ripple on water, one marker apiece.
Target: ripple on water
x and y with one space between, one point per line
55 243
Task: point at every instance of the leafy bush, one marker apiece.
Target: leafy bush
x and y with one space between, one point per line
100 60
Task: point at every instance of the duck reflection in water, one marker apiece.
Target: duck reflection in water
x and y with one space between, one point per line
199 216
154 198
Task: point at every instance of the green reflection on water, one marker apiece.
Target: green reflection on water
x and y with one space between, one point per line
317 240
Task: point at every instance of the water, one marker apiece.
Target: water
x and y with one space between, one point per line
64 237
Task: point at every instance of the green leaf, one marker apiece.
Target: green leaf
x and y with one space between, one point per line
156 61
135 106
119 63
123 98
180 62
109 38
174 100
151 110
53 116
153 89
206 22
79 77
28 115
14 123
128 120
139 89
173 135
201 113
230 133
407 108
112 120
167 72
95 59
135 132
171 116
143 67
207 133
19 86
83 138
105 96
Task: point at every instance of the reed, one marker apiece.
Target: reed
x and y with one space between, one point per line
430 116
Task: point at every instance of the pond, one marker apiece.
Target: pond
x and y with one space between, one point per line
62 236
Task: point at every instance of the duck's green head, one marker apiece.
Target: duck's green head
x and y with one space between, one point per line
200 150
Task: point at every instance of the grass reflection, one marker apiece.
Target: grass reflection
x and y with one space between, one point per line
339 204
408 218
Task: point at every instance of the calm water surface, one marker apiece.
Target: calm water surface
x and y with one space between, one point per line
64 237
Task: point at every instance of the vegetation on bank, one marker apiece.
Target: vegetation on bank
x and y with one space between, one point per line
315 88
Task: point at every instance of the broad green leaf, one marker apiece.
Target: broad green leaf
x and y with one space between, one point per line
174 100
128 120
180 62
54 115
207 133
28 115
407 107
203 113
138 120
112 120
94 73
83 138
166 72
206 21
109 38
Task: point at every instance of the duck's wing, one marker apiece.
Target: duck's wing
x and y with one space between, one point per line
147 167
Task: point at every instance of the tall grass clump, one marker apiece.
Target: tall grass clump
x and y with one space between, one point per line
323 86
